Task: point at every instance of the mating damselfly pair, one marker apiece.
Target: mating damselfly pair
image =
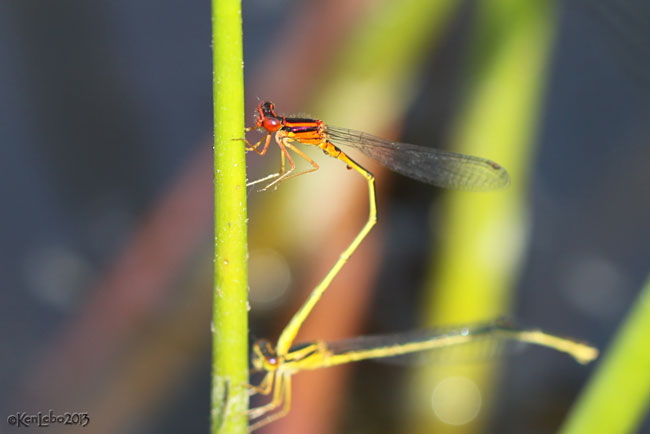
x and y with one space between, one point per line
432 166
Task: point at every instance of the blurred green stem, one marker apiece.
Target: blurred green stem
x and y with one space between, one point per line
616 399
485 234
230 313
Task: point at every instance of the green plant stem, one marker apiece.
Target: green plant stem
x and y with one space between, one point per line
230 313
616 399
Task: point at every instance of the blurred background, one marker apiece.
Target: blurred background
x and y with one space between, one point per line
106 263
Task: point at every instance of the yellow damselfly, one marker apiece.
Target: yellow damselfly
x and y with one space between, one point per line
280 368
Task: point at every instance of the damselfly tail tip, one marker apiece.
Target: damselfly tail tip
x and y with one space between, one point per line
586 354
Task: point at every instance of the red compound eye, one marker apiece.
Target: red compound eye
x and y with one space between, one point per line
271 124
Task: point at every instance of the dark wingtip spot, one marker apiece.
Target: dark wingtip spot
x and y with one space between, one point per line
494 165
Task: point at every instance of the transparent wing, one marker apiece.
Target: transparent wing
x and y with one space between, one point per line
480 341
476 350
428 165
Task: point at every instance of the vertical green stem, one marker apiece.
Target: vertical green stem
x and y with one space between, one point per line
617 398
230 313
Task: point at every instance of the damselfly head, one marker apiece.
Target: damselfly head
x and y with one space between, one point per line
267 118
264 356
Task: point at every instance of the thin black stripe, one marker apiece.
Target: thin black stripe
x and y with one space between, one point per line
300 129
